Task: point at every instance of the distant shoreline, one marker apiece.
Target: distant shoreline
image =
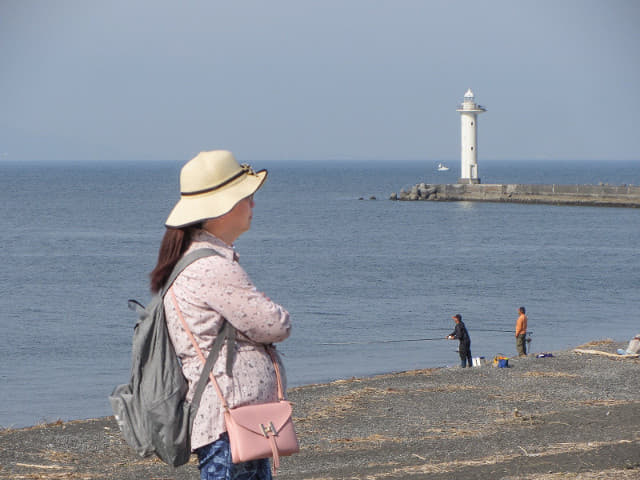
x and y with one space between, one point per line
627 196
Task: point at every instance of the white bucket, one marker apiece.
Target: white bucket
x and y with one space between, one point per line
477 361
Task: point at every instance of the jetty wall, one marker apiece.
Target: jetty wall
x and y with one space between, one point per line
580 195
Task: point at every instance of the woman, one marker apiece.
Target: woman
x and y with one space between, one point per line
215 208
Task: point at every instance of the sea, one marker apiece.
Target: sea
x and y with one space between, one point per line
371 284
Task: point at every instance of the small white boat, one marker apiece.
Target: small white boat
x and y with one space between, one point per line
442 167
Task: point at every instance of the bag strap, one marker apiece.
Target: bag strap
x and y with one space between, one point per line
226 331
213 354
183 263
276 367
211 359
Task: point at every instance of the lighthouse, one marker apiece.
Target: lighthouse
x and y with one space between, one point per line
469 111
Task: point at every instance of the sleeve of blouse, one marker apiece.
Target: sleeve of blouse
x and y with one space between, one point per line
232 293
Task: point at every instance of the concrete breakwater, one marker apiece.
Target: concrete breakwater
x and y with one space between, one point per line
580 195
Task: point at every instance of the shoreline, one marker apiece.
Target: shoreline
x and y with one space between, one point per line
544 418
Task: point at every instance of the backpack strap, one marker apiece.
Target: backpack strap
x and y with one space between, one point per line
184 262
226 330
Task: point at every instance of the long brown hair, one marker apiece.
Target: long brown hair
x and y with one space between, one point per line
175 242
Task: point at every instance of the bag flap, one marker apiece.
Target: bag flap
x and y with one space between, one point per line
251 417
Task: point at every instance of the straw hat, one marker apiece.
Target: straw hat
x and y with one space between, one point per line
211 184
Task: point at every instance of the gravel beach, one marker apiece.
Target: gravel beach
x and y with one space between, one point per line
569 416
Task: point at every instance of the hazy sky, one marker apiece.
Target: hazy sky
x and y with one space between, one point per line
314 80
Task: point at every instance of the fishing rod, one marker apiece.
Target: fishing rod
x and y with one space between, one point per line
418 339
472 330
384 341
491 330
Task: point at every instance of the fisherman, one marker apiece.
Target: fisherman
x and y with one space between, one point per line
521 332
461 333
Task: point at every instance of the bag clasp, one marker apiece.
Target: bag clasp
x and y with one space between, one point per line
266 430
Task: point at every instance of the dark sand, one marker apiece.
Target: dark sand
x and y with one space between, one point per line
572 416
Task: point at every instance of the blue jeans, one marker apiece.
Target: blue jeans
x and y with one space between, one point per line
214 462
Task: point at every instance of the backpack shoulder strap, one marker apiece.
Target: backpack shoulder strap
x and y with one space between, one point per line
184 262
226 333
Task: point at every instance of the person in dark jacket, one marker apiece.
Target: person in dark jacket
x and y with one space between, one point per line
461 333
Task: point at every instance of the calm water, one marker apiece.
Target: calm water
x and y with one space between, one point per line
79 240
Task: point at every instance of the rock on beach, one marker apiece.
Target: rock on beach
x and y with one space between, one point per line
569 416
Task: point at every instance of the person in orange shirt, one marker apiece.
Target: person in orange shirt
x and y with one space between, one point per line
521 332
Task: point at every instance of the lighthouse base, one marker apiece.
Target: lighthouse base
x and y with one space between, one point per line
469 181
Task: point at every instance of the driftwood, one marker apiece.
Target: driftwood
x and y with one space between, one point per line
606 354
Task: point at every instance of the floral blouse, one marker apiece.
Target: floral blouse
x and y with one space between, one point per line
208 290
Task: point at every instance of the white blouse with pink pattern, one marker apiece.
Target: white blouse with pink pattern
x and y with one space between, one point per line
208 290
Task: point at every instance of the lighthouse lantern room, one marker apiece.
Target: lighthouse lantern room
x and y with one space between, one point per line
469 111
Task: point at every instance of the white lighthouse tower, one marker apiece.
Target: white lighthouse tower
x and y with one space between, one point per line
469 111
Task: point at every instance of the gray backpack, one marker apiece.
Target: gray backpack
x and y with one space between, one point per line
151 409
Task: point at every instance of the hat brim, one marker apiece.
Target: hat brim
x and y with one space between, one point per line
205 206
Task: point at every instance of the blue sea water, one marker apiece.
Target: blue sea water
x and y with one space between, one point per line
366 281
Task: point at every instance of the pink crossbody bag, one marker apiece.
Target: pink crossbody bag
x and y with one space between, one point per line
263 430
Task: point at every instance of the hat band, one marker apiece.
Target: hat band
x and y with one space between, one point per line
245 169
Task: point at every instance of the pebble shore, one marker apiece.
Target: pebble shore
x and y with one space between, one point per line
569 416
